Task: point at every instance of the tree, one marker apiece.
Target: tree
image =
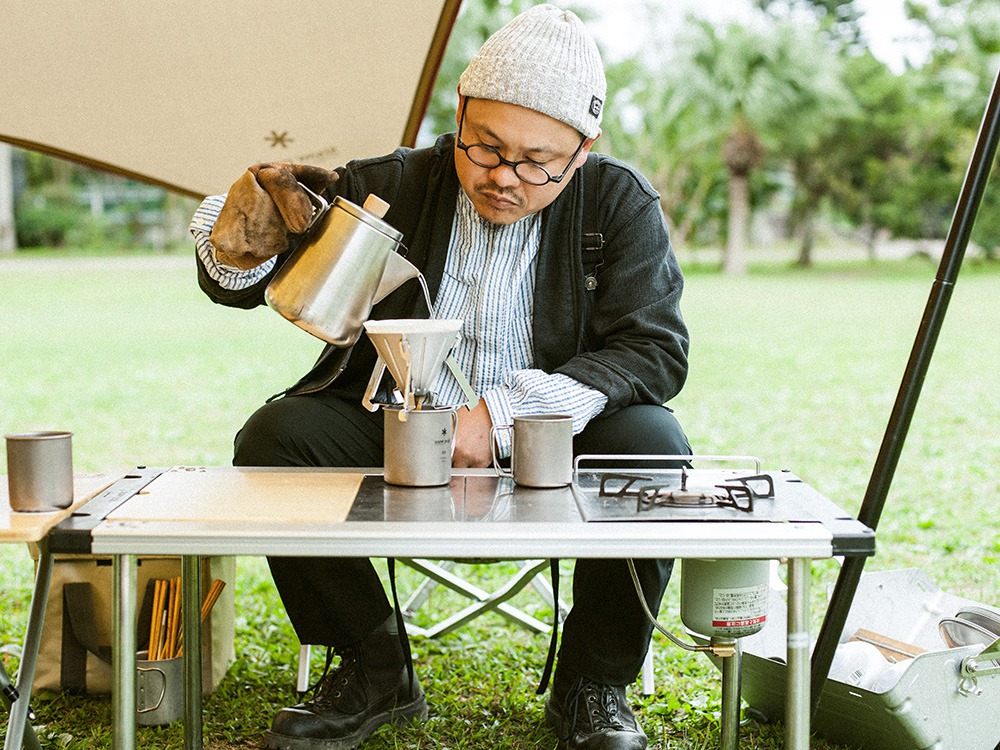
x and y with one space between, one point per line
849 162
839 19
651 123
963 65
767 87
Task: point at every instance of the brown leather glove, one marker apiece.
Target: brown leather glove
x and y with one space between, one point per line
263 209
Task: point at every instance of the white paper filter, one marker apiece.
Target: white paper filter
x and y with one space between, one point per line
414 349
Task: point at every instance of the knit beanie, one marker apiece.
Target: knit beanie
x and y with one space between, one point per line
544 60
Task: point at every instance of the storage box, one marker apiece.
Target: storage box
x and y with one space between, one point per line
931 707
65 661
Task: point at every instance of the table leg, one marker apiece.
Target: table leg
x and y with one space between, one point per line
191 610
123 603
797 689
19 732
732 668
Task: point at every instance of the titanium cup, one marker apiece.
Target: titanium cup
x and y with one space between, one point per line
159 693
541 453
418 446
40 471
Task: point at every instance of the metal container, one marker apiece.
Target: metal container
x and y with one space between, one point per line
40 471
347 262
418 446
541 452
159 694
929 704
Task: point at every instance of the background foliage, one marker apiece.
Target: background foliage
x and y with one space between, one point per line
849 145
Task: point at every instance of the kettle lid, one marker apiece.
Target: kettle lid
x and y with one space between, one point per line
368 217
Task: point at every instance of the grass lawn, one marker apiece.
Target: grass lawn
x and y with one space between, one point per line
800 368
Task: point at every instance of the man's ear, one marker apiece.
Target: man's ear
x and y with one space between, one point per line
587 144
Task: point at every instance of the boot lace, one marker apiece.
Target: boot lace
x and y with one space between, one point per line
600 703
331 685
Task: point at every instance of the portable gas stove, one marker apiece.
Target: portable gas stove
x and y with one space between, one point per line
688 494
737 492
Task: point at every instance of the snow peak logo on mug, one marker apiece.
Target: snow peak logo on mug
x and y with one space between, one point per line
595 106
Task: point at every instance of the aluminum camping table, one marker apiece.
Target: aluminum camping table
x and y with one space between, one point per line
204 511
32 528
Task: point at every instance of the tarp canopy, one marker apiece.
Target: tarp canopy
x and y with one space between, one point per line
187 94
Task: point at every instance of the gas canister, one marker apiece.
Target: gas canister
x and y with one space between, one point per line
724 598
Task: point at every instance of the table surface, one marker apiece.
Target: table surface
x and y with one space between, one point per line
32 527
322 512
266 511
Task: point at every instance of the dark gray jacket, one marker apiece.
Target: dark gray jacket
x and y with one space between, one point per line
626 338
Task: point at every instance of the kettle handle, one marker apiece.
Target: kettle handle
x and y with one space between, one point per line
320 206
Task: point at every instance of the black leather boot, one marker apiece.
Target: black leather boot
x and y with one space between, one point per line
589 716
369 688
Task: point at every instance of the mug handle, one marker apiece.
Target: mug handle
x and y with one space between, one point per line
163 688
500 471
454 429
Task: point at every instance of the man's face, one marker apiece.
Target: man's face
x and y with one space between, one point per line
498 194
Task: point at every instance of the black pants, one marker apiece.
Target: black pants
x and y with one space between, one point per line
337 601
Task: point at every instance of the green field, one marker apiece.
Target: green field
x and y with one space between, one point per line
799 368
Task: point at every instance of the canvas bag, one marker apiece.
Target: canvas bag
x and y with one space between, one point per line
75 649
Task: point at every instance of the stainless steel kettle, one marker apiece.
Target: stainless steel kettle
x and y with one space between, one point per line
346 264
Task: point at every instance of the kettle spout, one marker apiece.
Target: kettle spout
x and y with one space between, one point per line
397 270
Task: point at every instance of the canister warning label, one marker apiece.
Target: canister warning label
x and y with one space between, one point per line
740 611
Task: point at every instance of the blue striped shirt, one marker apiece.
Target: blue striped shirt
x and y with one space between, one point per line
488 283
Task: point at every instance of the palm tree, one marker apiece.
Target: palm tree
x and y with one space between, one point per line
765 87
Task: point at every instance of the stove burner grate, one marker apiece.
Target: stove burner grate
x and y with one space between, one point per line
738 492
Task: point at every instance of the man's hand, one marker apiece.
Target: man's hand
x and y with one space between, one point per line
263 209
472 438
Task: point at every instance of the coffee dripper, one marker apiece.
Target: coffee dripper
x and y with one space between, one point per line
419 435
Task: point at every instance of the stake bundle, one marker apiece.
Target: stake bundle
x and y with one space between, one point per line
165 637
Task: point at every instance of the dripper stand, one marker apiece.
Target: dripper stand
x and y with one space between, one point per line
414 350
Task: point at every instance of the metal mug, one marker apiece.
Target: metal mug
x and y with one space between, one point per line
418 445
541 452
159 695
40 470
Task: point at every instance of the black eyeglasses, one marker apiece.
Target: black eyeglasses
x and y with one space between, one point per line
527 171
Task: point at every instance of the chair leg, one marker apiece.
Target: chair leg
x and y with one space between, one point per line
648 677
302 681
422 592
543 586
9 694
483 601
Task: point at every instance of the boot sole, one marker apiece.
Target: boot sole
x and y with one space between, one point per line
417 710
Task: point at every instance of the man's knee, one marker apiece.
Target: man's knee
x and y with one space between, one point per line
318 430
640 428
270 434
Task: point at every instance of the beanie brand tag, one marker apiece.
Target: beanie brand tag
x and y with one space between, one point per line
595 106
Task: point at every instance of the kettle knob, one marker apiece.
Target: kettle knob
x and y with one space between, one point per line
376 206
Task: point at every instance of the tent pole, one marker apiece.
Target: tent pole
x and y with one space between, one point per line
962 222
